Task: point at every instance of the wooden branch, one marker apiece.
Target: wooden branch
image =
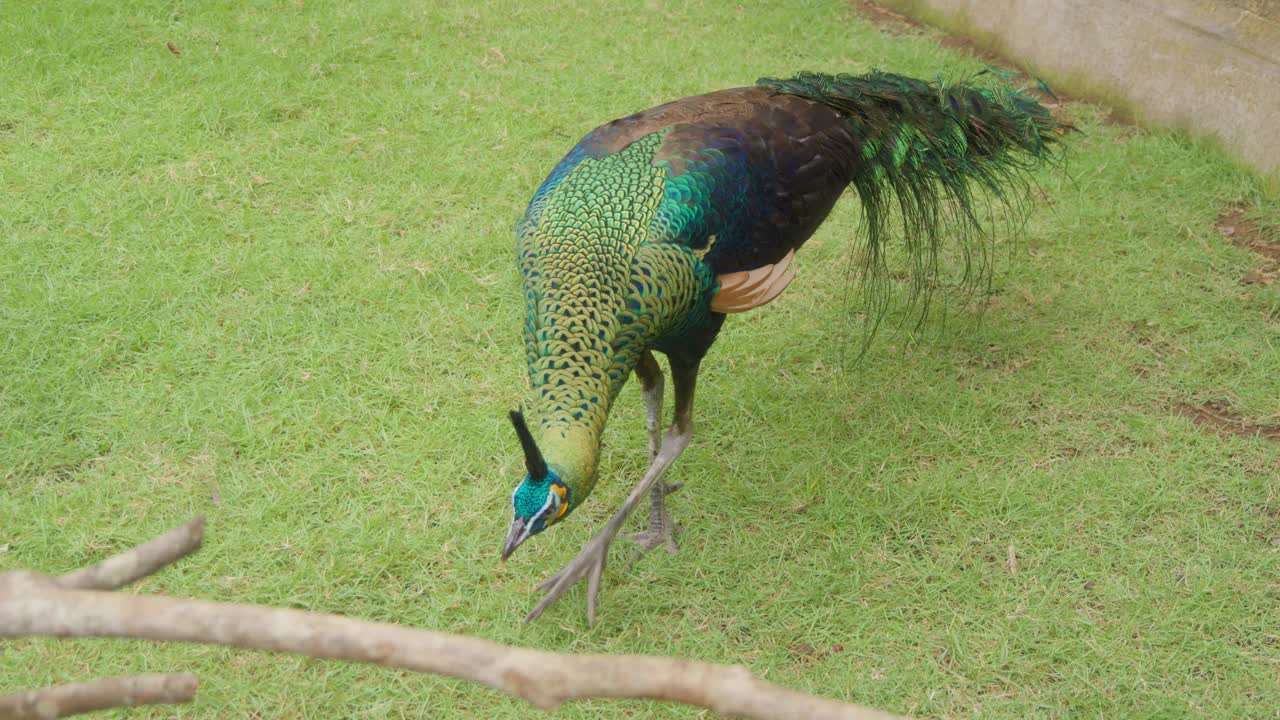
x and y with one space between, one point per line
132 565
78 698
32 604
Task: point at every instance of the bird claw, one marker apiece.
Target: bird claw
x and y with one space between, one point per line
661 532
590 563
646 540
649 539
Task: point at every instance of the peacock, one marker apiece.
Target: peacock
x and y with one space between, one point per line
658 225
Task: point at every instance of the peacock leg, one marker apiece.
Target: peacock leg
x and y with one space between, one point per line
662 528
650 375
591 560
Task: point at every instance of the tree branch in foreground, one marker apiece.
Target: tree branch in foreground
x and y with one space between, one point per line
32 604
132 565
77 698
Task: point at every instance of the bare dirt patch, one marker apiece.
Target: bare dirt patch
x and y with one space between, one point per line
1246 232
1217 416
894 23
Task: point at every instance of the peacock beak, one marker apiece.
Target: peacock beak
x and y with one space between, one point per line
515 536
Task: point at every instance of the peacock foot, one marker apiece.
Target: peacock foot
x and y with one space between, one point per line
663 537
589 563
662 528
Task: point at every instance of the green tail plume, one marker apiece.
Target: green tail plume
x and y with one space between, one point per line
938 152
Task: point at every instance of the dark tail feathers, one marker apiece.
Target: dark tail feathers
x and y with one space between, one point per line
930 145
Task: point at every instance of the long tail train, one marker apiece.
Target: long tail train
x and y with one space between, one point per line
936 149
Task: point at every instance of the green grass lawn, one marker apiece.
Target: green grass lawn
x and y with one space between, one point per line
271 279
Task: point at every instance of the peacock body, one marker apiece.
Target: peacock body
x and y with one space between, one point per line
657 225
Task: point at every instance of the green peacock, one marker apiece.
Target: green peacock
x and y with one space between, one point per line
657 225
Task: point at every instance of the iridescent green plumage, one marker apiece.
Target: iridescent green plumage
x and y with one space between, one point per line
626 244
600 290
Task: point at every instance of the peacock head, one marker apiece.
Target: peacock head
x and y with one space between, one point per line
540 500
